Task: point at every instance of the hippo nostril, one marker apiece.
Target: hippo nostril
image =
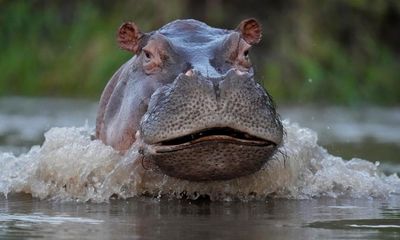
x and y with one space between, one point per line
230 73
235 72
189 73
239 72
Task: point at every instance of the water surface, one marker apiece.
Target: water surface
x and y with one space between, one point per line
308 193
322 218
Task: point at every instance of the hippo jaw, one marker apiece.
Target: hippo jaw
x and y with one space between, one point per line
212 154
222 140
210 157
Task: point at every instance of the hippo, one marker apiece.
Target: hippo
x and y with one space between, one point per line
189 99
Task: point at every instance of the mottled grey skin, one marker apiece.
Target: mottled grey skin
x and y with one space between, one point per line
190 100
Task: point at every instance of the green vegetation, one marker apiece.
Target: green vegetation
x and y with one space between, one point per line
343 52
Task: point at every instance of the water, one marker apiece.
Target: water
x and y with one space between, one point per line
306 193
321 218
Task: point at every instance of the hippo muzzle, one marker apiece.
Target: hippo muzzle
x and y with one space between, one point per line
200 128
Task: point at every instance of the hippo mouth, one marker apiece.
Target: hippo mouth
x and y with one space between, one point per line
217 134
219 153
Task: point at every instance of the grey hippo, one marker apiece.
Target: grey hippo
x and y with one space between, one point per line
188 97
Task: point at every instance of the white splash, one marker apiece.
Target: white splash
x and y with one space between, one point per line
70 166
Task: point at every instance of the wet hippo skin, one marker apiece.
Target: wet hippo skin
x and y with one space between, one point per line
190 100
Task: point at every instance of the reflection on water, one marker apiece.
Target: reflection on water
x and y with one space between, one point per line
139 218
41 218
372 133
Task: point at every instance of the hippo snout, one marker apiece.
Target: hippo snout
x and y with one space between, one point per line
201 128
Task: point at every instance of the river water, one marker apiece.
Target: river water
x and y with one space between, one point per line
335 178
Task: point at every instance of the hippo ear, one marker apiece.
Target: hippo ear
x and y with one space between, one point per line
129 37
250 31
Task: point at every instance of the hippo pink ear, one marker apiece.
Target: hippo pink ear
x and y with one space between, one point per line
250 31
129 36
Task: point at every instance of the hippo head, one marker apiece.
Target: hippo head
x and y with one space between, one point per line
190 100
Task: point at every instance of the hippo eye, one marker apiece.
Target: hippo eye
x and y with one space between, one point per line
147 55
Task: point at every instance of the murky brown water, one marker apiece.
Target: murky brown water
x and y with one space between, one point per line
370 212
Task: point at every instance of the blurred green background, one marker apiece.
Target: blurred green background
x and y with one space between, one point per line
343 52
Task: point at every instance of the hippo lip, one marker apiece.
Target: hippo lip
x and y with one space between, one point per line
227 135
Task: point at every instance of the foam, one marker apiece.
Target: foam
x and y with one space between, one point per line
71 166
